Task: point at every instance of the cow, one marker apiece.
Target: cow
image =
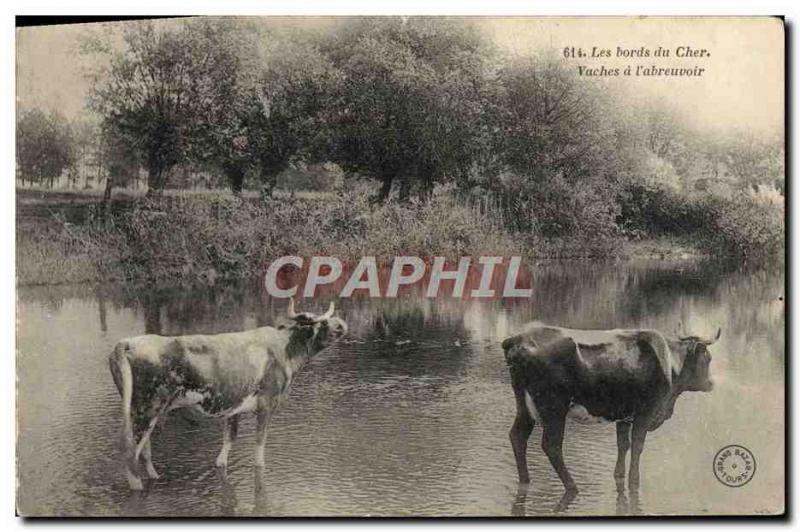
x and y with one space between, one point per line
631 377
221 376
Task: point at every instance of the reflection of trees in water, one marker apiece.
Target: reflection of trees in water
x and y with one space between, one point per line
607 295
415 342
578 294
375 402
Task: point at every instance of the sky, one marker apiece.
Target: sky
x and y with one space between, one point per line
742 88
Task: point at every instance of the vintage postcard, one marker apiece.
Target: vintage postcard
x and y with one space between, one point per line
401 266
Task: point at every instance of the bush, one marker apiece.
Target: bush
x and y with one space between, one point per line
653 211
579 218
746 228
742 226
222 236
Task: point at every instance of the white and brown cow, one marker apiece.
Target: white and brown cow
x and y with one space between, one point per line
631 377
220 375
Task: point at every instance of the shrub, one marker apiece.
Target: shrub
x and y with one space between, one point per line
222 236
579 218
745 228
742 226
655 211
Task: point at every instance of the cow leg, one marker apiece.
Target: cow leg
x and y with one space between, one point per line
230 427
261 436
623 444
134 482
123 379
143 448
129 458
519 434
147 454
552 441
638 435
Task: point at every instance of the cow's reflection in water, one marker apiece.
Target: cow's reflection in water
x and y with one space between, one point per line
227 494
626 505
519 506
228 500
134 504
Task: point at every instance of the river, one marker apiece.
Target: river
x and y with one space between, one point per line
408 415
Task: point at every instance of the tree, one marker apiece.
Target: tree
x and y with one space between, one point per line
410 100
156 89
122 162
755 161
551 123
289 112
44 146
229 49
561 152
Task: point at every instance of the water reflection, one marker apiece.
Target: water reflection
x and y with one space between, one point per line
410 415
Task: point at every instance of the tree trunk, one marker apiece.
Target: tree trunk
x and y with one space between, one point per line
268 182
405 189
427 189
386 189
107 193
155 179
235 174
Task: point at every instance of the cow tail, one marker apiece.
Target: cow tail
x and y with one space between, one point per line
123 378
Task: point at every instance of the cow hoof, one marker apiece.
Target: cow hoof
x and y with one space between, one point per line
135 484
152 473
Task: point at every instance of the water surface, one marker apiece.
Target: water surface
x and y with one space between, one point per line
410 414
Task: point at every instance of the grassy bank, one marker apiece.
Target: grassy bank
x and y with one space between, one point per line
213 236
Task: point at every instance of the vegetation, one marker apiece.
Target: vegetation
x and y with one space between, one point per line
423 136
44 146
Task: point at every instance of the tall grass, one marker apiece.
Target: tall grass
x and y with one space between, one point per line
53 254
211 236
205 238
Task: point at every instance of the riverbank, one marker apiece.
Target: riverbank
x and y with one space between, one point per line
206 237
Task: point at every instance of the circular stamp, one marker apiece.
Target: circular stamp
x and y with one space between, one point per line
734 466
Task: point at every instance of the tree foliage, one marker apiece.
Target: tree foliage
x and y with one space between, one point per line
44 146
409 103
552 122
219 137
289 109
156 89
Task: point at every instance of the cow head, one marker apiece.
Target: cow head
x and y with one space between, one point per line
323 328
695 375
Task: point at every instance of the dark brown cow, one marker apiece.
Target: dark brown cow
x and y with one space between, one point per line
631 377
221 376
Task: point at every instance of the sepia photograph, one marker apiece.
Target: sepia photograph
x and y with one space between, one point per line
400 266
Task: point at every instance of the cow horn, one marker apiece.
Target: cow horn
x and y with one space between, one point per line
707 341
328 315
290 311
